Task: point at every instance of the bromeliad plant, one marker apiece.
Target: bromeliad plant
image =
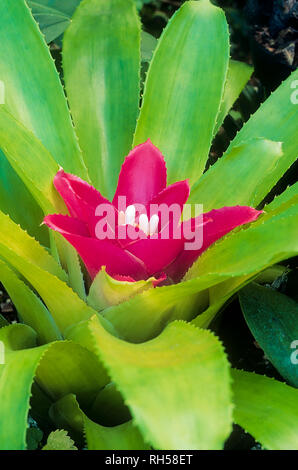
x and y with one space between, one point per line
122 354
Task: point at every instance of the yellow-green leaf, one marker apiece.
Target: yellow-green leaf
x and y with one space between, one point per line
101 59
267 409
184 88
154 376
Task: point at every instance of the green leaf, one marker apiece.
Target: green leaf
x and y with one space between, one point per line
37 169
16 337
28 214
72 262
241 256
33 438
145 315
237 169
267 409
34 95
59 440
106 291
30 308
126 436
3 321
101 59
276 119
148 44
286 204
123 437
67 7
184 88
238 75
16 242
251 250
19 368
43 273
272 318
40 404
152 377
33 91
109 408
52 290
220 293
52 22
84 377
31 161
288 197
68 367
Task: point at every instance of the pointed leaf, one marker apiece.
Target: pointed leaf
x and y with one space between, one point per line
145 315
123 437
67 414
52 22
276 119
219 294
49 363
101 58
16 240
250 250
28 214
33 93
73 266
67 368
238 75
30 308
182 362
67 7
184 88
273 320
3 321
19 368
289 196
267 409
17 336
248 253
237 169
52 290
42 272
31 161
148 44
106 291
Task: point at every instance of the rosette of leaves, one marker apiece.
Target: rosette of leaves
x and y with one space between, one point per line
143 370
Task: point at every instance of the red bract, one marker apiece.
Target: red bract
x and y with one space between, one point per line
142 181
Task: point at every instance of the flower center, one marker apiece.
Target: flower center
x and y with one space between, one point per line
128 217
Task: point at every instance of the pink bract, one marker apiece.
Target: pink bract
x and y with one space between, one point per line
142 180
